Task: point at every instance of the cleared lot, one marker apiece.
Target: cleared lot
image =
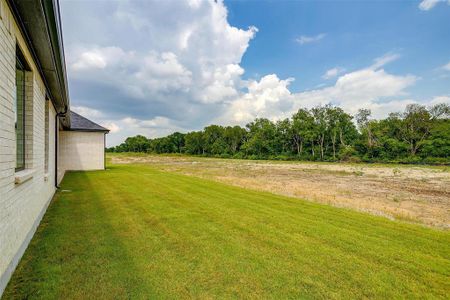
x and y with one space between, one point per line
136 232
413 193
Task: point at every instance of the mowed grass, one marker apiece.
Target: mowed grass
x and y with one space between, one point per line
134 231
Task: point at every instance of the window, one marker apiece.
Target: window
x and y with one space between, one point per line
47 134
20 111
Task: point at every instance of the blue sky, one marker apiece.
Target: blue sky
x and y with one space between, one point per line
155 67
354 34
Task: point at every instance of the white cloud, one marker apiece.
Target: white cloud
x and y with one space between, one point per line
429 4
223 84
384 60
440 99
87 112
160 72
96 116
369 87
96 58
269 97
196 58
331 73
113 127
304 39
152 128
446 67
155 68
358 89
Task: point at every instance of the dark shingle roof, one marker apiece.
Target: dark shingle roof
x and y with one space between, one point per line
80 123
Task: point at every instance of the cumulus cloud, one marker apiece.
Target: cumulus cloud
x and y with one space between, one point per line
304 39
267 98
197 54
368 87
171 59
429 4
153 68
95 58
359 88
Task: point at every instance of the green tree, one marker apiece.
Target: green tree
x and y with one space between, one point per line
138 143
302 125
212 135
234 138
283 137
417 134
194 143
261 138
321 122
416 126
177 140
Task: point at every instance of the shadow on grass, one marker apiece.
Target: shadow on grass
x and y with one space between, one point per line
76 251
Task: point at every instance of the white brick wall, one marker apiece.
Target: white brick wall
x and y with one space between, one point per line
81 150
21 206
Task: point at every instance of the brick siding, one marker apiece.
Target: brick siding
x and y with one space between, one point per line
21 205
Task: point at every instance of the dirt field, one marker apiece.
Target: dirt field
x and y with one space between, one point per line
413 193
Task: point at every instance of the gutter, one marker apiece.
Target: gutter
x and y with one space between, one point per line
40 24
54 29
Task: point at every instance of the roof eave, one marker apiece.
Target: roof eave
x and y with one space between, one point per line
40 25
88 130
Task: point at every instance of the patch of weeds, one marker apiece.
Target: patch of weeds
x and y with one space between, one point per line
405 217
358 173
396 171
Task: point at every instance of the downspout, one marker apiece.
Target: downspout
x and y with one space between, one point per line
104 151
58 115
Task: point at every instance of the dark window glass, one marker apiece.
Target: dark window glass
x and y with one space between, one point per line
20 114
47 133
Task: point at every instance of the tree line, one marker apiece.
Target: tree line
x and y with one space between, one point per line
323 133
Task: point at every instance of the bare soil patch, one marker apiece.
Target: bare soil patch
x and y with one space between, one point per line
414 193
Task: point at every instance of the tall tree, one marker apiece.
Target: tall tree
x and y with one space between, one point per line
416 126
234 137
302 125
321 125
178 140
283 140
418 132
363 121
213 134
261 137
194 142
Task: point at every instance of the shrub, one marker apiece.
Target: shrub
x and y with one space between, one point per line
346 152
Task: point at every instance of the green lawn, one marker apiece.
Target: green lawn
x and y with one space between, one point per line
137 232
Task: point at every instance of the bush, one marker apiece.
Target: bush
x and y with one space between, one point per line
239 155
345 153
437 161
354 159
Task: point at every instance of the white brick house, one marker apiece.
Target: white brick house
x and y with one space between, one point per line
40 138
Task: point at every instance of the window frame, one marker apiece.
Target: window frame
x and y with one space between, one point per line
22 66
47 136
